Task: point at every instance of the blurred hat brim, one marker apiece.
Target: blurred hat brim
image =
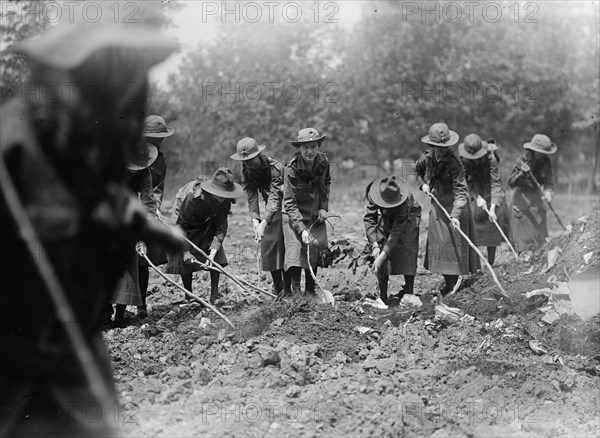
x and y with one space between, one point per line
68 46
170 132
152 156
451 142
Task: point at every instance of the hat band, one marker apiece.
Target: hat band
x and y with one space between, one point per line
250 151
228 186
156 130
443 139
545 147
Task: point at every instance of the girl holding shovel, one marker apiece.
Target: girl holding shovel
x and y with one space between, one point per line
305 204
484 188
202 215
440 174
528 212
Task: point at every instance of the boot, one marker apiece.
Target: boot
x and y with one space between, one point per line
383 289
214 287
309 282
142 311
295 274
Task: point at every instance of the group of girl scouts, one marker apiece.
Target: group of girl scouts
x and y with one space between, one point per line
291 230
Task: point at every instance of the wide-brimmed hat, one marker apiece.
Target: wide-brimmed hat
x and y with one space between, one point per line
386 192
247 148
440 135
71 42
541 143
222 184
143 157
156 127
308 135
473 147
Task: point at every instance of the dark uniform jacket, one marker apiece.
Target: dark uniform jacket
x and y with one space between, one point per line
391 227
483 179
268 181
445 179
306 190
199 217
542 171
158 170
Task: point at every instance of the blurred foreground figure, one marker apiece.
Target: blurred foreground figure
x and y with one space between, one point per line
528 211
69 222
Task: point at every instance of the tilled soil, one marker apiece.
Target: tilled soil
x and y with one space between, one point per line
294 368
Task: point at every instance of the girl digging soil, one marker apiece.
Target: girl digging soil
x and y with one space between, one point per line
202 215
440 173
485 187
392 227
264 174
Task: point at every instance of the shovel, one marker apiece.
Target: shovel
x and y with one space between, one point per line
502 292
502 233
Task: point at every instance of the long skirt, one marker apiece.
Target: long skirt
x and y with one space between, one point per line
272 246
176 264
128 289
527 222
447 252
295 250
487 232
402 259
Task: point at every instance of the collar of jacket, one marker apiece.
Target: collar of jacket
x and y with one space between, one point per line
449 156
198 190
320 158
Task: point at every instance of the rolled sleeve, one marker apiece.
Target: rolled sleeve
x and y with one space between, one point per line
275 197
459 189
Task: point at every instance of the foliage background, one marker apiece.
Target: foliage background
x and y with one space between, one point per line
381 85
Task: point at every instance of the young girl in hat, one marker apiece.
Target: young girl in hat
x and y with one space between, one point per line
305 204
392 227
139 180
263 175
528 211
155 130
440 173
485 188
201 211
